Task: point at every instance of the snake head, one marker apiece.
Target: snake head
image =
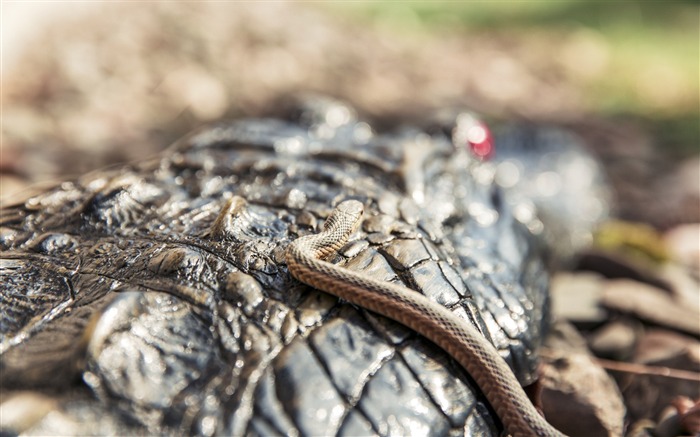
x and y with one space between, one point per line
345 218
352 209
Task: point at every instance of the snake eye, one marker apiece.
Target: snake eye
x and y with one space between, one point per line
476 134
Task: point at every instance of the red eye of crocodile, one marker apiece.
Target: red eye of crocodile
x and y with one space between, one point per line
480 139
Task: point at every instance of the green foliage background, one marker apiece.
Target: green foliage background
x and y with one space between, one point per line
651 49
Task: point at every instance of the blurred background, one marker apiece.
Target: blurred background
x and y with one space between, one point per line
86 84
91 84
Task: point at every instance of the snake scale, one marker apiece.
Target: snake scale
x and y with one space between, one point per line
305 259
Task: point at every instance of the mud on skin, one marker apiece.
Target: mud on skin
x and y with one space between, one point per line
155 298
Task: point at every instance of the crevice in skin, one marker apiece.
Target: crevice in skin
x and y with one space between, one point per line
330 314
408 281
399 353
395 347
190 416
363 313
187 244
398 347
46 261
403 275
350 404
356 405
252 381
362 413
187 297
259 418
373 319
285 406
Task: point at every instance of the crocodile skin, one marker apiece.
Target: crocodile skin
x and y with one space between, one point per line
155 298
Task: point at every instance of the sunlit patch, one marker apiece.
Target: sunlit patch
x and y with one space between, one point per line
548 183
338 115
507 174
483 215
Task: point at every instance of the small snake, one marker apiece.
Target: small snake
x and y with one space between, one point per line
456 336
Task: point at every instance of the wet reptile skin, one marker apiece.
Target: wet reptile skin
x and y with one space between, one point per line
456 336
155 298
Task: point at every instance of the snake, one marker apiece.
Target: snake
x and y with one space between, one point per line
306 259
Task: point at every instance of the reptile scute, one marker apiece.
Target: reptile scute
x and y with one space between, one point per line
155 297
456 336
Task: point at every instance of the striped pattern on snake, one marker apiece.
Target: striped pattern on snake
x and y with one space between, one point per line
459 339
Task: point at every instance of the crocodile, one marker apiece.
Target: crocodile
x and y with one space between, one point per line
154 298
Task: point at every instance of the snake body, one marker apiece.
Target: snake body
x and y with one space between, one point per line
463 342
